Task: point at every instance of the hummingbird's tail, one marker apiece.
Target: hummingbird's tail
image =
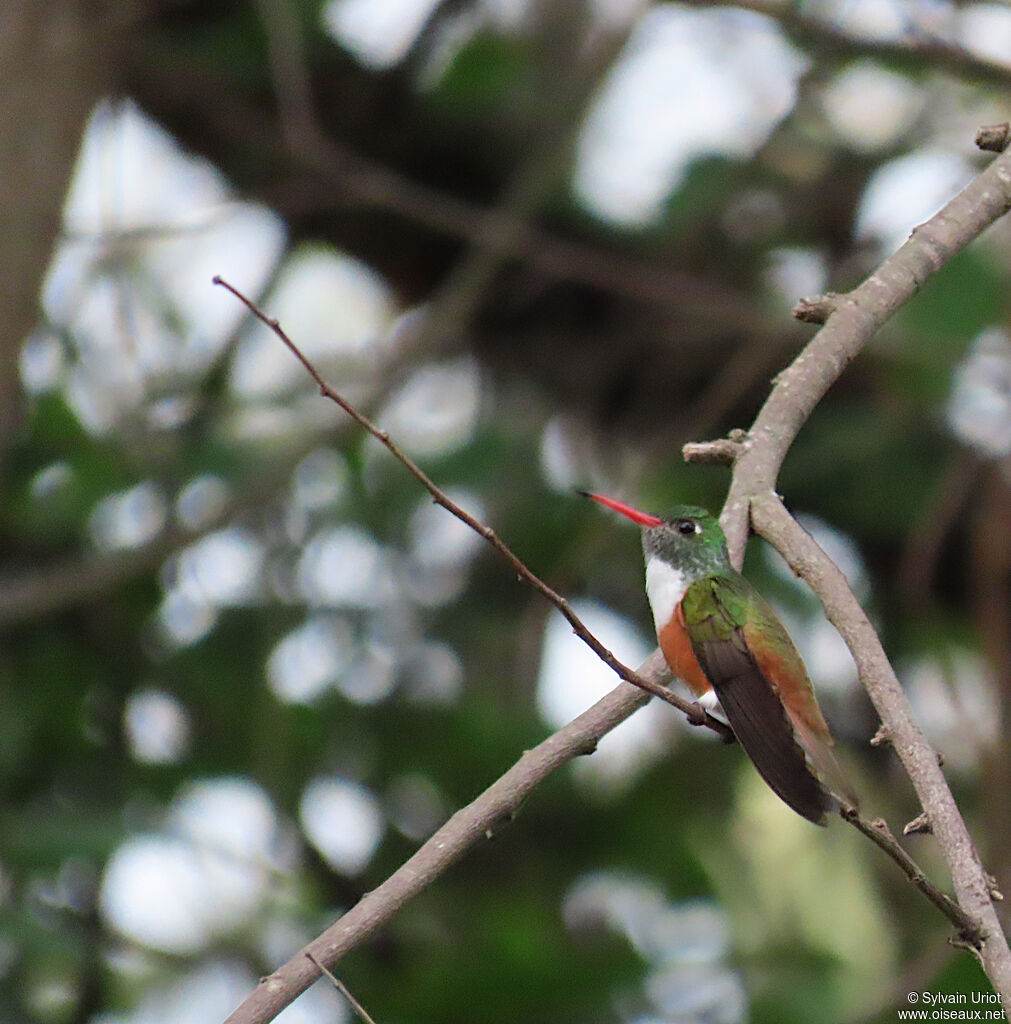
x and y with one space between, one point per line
819 749
766 733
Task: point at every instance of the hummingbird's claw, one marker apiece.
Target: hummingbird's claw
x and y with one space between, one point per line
697 715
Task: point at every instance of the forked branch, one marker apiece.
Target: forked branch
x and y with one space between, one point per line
850 321
478 819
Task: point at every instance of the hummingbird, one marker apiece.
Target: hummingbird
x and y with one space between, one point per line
725 641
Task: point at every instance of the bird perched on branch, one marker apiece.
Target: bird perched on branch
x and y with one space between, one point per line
726 642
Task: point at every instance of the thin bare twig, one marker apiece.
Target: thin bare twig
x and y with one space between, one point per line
691 710
968 928
342 988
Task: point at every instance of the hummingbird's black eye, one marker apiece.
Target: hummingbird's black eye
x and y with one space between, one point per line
686 527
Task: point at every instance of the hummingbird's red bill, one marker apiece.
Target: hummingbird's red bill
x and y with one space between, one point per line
642 518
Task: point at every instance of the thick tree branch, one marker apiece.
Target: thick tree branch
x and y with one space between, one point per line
479 820
343 989
853 320
843 610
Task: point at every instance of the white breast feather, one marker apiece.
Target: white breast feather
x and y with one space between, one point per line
711 702
665 586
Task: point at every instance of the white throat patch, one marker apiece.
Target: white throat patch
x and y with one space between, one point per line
665 586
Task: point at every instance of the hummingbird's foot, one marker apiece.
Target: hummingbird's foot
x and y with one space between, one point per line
697 714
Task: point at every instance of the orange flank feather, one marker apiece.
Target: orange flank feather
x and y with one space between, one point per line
677 651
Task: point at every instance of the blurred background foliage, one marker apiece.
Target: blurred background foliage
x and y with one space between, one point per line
247 666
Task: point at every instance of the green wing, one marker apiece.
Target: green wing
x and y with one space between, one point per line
717 609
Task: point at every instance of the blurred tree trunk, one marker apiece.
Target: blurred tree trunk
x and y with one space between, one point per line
51 75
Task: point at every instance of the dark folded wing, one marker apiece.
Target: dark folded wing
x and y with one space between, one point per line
761 725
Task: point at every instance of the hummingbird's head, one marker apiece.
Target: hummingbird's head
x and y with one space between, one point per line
689 538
